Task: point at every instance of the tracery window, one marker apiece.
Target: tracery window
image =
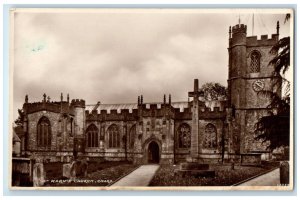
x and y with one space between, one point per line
44 132
184 136
92 136
210 136
255 62
113 136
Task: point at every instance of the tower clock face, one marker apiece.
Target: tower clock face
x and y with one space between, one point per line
258 85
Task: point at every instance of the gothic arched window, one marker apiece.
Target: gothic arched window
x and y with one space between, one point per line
210 137
44 132
113 136
92 136
132 134
184 136
255 62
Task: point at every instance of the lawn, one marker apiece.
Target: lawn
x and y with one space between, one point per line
165 176
99 174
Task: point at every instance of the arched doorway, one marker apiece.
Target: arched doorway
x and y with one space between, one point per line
153 152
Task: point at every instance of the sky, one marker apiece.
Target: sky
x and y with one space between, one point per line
113 56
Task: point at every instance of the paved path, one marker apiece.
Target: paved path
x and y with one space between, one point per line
139 177
270 179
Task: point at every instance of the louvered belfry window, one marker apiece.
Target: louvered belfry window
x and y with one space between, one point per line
255 62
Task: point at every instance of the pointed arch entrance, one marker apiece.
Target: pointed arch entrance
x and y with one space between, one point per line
153 152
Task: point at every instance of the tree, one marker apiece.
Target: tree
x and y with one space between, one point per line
281 61
214 91
275 127
19 121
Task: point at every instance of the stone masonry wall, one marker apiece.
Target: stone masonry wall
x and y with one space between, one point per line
250 144
33 120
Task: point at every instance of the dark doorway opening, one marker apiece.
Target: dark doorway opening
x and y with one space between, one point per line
153 152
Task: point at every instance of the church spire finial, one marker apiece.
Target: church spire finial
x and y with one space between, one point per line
26 98
44 100
277 28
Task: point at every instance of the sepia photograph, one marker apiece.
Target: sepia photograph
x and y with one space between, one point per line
151 99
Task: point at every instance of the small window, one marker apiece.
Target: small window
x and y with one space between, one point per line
255 62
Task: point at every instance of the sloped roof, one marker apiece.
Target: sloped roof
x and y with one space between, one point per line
15 137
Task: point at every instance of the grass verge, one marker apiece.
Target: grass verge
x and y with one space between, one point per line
165 176
99 174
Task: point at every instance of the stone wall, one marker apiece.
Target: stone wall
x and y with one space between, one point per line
250 144
33 120
79 121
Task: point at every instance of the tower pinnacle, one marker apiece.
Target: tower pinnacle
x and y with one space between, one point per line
277 28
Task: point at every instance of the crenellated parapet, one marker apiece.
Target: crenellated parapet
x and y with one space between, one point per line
204 113
78 103
239 28
264 40
216 113
113 115
238 36
186 114
156 110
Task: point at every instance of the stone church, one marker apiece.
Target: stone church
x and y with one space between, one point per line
164 132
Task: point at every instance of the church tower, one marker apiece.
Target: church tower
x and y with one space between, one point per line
249 73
